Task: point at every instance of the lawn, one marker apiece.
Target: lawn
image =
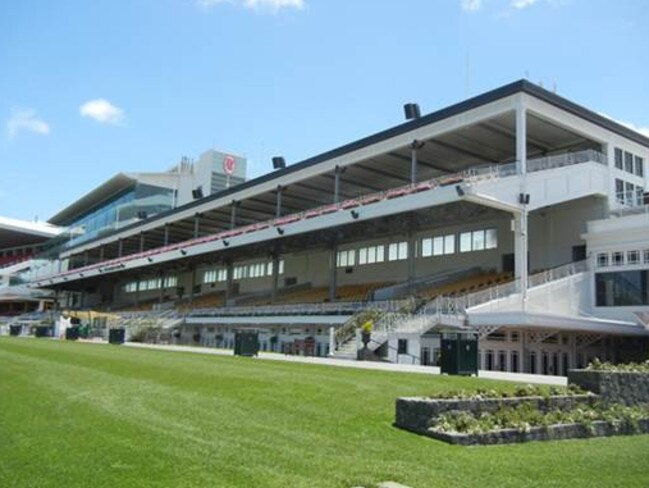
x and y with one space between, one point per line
97 415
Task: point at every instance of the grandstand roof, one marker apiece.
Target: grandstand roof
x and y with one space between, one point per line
16 233
448 153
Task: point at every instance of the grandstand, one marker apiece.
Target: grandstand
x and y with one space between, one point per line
434 224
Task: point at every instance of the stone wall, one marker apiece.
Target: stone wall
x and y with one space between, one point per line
613 387
415 414
553 432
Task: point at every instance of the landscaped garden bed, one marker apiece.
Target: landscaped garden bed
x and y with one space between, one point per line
617 403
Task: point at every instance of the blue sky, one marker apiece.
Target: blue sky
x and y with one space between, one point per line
88 89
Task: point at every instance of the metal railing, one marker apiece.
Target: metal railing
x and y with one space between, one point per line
565 159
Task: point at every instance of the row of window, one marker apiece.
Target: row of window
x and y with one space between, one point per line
151 284
628 193
629 162
255 270
622 288
477 240
620 258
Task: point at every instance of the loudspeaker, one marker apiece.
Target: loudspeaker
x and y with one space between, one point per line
411 111
278 162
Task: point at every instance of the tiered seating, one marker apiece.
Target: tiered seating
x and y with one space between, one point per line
468 285
210 300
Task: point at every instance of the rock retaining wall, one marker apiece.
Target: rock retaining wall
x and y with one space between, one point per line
553 432
613 387
416 414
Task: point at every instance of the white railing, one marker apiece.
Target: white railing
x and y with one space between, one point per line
557 273
565 159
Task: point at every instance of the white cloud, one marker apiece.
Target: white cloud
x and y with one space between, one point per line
521 4
102 111
471 5
26 120
644 130
273 5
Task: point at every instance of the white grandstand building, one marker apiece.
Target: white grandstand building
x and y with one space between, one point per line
517 214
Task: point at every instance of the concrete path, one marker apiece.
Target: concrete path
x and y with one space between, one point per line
399 368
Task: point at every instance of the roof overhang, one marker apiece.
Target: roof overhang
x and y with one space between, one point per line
16 233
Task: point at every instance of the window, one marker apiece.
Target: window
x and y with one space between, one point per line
602 259
427 247
478 240
371 255
491 239
346 258
618 258
633 257
402 346
625 288
438 246
639 166
619 159
628 162
465 241
619 190
449 244
398 251
646 256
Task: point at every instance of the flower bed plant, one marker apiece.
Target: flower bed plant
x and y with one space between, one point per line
597 365
519 392
524 417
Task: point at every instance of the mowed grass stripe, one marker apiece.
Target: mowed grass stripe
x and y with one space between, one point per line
91 415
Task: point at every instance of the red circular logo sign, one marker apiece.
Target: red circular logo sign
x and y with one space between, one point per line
229 164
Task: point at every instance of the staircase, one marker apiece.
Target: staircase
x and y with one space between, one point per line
347 350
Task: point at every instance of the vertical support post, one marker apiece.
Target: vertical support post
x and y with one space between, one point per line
333 270
137 291
192 285
101 253
229 279
338 171
332 341
166 237
275 283
278 207
141 241
412 248
120 248
413 161
521 245
85 258
233 214
197 223
162 287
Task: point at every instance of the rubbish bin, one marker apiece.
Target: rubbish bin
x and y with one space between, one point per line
15 330
116 336
459 353
72 333
43 331
246 343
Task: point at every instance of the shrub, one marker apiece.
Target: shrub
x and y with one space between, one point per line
597 365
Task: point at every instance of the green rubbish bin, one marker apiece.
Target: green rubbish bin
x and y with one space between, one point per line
43 331
116 336
72 333
459 353
246 343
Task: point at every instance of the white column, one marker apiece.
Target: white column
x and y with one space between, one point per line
332 341
520 228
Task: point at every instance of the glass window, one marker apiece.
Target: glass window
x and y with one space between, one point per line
465 241
362 255
427 247
380 253
632 257
602 259
491 239
402 346
619 190
628 162
392 252
620 289
618 258
478 240
449 244
403 250
438 246
618 158
646 256
371 255
639 166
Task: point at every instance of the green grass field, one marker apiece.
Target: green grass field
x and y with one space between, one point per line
97 415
